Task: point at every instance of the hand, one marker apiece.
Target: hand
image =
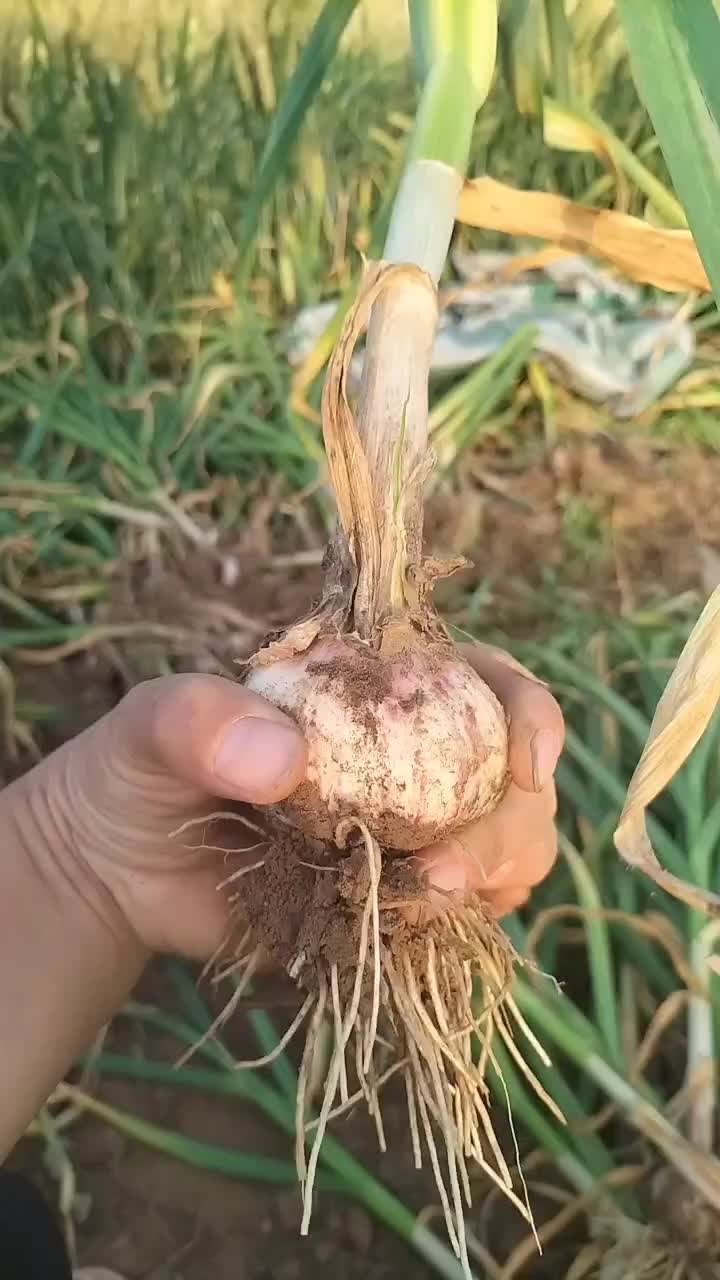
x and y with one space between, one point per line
92 881
165 758
504 855
175 747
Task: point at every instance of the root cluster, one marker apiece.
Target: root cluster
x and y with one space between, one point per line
409 987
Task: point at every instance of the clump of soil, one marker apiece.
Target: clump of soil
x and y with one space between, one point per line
306 903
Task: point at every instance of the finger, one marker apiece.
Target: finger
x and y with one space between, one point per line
503 904
525 872
212 734
515 846
457 871
537 731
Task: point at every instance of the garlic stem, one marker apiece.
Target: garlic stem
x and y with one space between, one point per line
455 44
393 424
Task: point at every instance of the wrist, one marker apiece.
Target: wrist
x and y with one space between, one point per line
68 958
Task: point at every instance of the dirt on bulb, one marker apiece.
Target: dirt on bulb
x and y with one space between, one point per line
402 733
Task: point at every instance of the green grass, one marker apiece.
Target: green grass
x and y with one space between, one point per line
139 361
639 960
143 389
135 177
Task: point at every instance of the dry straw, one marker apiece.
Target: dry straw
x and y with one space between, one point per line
682 716
650 255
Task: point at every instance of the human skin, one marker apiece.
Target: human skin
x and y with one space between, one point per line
92 880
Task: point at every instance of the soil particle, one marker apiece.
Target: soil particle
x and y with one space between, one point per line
361 685
413 700
368 681
359 1228
290 1270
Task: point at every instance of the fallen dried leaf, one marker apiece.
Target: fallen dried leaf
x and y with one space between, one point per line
651 255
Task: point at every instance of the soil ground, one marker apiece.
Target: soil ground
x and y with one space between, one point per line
154 1218
151 1217
618 524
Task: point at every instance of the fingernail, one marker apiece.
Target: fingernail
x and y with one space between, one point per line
544 753
255 755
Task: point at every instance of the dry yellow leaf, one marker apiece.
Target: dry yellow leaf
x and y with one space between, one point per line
650 255
223 289
682 716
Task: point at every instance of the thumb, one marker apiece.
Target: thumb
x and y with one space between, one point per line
214 735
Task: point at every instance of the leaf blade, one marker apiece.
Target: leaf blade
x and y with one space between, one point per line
674 45
316 57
